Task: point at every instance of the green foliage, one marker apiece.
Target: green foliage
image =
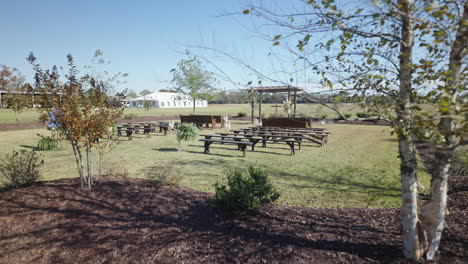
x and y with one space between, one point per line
348 115
21 168
46 143
187 132
192 79
129 116
244 193
362 115
163 173
323 115
241 114
147 105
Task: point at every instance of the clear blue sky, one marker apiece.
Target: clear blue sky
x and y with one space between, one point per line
141 38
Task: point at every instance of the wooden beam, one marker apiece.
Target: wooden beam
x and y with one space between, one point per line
260 105
295 103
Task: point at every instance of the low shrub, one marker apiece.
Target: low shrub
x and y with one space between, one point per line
165 174
186 132
348 115
129 116
243 192
323 116
241 114
115 169
46 143
21 168
460 162
362 115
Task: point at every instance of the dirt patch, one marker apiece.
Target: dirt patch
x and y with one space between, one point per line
134 221
20 126
33 125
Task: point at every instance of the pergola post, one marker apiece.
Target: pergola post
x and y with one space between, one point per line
295 102
273 89
252 104
260 105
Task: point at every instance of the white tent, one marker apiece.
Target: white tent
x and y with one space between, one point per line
167 100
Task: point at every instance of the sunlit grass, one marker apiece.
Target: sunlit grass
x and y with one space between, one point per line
358 168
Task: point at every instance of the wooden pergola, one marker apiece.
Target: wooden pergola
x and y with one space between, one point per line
273 89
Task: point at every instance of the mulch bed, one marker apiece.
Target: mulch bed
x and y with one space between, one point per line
127 220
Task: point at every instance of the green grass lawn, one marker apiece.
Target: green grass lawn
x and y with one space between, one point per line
30 115
358 168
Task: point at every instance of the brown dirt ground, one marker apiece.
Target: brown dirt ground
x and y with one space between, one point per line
32 125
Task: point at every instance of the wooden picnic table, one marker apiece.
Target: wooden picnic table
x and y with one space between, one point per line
255 139
310 135
266 137
317 129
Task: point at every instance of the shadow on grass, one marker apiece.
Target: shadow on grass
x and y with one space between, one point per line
28 147
342 181
166 149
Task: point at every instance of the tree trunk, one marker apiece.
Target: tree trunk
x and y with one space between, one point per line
414 241
101 154
434 213
18 120
79 163
90 166
194 105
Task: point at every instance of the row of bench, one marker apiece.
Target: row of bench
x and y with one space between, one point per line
145 128
252 136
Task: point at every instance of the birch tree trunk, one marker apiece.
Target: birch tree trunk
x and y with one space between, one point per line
434 213
414 241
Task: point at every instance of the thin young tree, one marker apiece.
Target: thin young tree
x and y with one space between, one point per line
191 78
82 110
13 82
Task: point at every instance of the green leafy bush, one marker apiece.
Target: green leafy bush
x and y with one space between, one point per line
187 132
241 114
46 143
165 174
129 116
244 192
362 115
348 115
21 168
323 116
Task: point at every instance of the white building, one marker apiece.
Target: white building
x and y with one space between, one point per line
167 100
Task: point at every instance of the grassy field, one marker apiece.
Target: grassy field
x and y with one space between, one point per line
358 168
30 115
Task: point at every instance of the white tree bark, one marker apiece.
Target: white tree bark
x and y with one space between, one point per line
414 238
434 213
